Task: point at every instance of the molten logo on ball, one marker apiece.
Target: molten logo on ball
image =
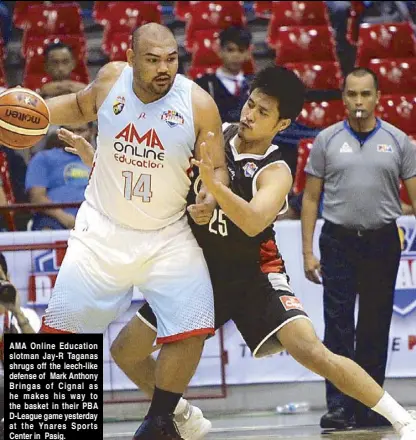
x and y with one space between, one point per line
22 116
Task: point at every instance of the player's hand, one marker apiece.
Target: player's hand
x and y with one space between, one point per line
201 211
205 165
77 145
312 268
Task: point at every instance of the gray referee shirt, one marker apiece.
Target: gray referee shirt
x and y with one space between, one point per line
361 181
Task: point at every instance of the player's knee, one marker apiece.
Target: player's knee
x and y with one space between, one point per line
306 348
133 344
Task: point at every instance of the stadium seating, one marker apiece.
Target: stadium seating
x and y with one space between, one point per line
210 15
304 148
399 110
404 195
182 10
322 114
395 75
293 13
387 40
49 20
34 75
305 43
8 190
20 12
319 75
262 9
123 17
120 42
204 54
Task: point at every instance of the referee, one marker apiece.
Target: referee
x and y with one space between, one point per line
358 164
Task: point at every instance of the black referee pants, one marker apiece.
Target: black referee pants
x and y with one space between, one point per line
365 264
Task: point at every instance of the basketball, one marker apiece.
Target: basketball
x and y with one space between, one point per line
24 118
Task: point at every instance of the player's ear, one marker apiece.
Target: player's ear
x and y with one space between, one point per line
283 124
130 56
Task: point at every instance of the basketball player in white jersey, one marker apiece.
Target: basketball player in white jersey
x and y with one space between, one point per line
250 282
132 229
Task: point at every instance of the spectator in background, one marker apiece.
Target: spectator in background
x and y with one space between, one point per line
228 85
54 175
17 171
5 22
59 64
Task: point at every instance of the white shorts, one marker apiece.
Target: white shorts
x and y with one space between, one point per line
105 261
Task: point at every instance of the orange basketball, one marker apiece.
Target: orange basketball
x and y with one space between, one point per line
24 118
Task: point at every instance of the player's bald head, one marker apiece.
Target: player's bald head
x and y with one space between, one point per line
152 33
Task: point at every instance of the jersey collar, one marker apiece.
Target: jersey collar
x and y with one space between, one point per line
241 156
375 130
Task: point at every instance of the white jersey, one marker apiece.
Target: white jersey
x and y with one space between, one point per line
140 174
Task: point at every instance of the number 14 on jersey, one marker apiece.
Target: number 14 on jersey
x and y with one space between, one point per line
140 188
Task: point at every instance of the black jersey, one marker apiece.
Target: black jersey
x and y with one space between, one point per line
222 241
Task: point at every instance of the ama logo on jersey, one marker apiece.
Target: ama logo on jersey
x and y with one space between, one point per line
45 270
405 293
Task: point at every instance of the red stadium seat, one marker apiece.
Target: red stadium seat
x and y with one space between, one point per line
304 149
120 42
387 40
20 11
100 12
404 195
395 75
3 78
204 54
55 19
34 75
322 114
182 10
303 44
123 17
210 15
8 189
399 110
319 75
263 9
294 13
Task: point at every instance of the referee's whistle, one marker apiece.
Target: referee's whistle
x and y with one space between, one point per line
358 113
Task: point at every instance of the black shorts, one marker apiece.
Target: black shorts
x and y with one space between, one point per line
259 307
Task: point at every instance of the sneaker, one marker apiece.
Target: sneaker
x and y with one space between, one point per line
157 428
191 423
408 432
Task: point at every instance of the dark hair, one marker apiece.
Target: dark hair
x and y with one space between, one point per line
284 85
238 35
54 46
361 71
3 263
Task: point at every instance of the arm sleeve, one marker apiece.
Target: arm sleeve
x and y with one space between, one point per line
37 172
408 165
316 160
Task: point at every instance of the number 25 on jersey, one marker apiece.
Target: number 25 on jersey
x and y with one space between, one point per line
140 188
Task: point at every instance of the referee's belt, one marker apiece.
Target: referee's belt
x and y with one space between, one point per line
343 231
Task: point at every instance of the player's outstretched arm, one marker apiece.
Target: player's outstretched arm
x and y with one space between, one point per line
273 185
82 107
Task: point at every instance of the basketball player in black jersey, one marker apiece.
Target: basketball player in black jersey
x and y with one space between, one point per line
250 283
